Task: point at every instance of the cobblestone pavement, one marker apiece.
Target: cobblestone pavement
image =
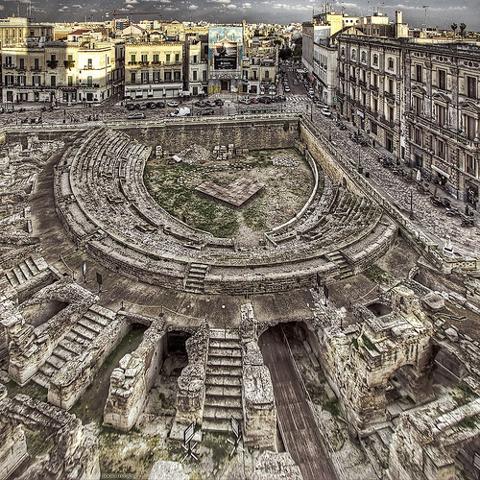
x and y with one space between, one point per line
403 191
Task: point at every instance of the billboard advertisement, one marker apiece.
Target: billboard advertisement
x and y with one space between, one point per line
225 47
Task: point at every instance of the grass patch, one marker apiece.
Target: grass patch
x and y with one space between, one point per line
219 446
378 275
332 406
255 217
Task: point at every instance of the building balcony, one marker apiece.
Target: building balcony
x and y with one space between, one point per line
341 74
52 64
389 95
362 83
8 66
374 88
69 64
353 78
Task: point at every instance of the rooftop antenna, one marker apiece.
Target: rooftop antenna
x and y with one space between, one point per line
425 8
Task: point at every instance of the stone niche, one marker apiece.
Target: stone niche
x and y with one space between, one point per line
132 380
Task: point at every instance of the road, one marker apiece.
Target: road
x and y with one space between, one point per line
297 424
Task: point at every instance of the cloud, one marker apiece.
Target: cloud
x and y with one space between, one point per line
131 2
193 7
247 5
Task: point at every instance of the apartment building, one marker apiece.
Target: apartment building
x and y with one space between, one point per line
196 67
153 69
442 94
84 71
17 30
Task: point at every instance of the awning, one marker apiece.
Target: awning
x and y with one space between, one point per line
441 172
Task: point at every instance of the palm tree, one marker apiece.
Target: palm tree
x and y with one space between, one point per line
463 27
454 27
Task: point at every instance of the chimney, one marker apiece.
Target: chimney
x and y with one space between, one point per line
398 17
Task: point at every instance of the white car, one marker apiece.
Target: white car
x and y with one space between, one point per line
311 92
287 88
326 112
136 116
172 104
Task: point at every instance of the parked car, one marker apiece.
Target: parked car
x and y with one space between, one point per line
207 111
136 116
311 92
180 112
200 103
287 89
326 112
172 104
151 105
161 104
219 102
131 106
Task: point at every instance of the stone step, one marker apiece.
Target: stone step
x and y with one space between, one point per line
223 402
41 379
103 312
196 275
20 276
224 343
217 413
12 278
63 353
222 391
225 352
216 425
83 332
96 318
77 339
32 266
73 347
219 333
224 361
57 362
223 380
90 325
48 370
25 271
224 370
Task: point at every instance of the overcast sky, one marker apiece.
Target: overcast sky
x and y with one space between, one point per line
440 12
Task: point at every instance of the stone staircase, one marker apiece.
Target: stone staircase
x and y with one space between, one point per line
345 270
223 383
75 342
25 270
195 279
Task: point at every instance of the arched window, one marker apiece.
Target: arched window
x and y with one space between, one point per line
364 57
342 52
354 54
375 59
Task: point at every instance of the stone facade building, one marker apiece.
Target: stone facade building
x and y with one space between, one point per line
442 94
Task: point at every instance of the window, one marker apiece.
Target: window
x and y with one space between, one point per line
441 149
470 165
167 58
364 57
194 75
204 75
53 81
176 76
36 64
70 81
156 58
133 59
375 105
471 87
391 114
375 59
342 52
177 58
441 115
156 77
168 76
442 79
133 77
469 127
417 105
89 81
417 136
267 74
375 80
373 127
418 73
89 63
390 63
144 58
22 64
195 59
145 77
391 87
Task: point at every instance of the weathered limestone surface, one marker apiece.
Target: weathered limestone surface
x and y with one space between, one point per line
69 383
427 440
275 466
166 470
131 381
13 448
29 346
74 454
258 400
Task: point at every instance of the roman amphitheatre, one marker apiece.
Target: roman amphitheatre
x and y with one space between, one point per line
239 279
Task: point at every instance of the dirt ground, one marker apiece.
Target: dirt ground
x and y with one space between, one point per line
287 179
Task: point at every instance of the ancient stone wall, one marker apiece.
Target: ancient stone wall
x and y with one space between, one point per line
258 400
13 448
131 381
253 134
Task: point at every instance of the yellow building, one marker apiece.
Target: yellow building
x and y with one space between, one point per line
153 69
16 30
62 72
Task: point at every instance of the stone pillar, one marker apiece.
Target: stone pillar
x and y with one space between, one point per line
259 411
132 380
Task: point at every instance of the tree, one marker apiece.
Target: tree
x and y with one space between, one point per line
285 53
463 28
454 27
